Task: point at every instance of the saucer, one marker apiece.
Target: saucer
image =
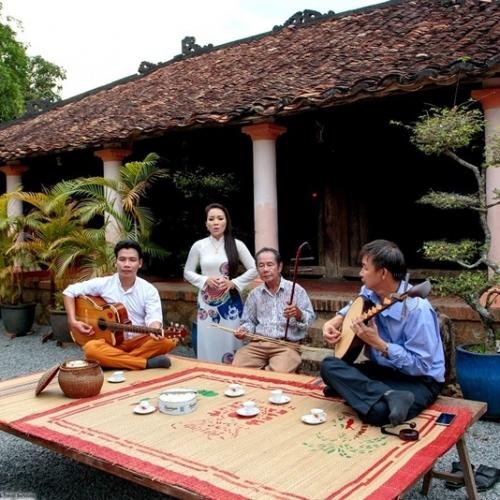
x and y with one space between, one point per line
282 401
114 380
234 394
242 412
144 411
312 420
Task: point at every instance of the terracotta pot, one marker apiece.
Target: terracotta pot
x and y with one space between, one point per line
80 381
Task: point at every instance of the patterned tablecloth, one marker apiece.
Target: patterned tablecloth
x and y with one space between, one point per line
214 451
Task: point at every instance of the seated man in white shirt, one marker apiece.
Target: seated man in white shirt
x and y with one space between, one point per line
266 313
143 305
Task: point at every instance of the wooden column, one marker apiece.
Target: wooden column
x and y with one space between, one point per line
264 137
490 100
13 175
112 160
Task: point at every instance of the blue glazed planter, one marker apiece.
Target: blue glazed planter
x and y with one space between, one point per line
479 377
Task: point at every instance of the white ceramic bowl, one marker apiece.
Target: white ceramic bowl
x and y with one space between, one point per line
177 401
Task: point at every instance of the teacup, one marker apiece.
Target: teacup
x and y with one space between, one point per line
318 414
234 388
118 375
249 407
144 404
277 395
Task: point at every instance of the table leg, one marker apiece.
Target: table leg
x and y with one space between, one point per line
426 484
470 483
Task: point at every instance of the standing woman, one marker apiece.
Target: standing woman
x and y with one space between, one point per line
219 299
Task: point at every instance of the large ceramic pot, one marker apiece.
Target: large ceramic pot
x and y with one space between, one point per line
59 325
479 377
18 318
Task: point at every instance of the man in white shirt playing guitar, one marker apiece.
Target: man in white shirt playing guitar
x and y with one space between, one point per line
142 305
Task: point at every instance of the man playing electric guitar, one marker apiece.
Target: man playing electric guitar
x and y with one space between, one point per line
405 368
143 305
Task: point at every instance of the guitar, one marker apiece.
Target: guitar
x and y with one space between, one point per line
110 321
367 310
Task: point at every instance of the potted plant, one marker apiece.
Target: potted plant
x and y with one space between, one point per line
15 258
57 225
444 131
62 239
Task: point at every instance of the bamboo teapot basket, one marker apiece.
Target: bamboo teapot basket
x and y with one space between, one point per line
80 379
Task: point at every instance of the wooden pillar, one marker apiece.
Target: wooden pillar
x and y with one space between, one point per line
13 175
112 160
490 100
264 137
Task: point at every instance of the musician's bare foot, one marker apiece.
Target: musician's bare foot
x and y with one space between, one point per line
161 361
399 403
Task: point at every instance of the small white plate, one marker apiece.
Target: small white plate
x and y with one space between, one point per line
114 380
144 411
312 420
234 394
282 401
243 412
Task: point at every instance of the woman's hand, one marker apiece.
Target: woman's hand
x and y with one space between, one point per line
220 283
213 282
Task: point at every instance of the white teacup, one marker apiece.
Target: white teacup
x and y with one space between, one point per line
249 407
118 375
318 414
234 388
144 404
276 395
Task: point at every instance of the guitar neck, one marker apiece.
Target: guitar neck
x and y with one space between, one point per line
378 308
132 328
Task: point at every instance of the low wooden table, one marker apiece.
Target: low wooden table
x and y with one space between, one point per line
213 452
477 409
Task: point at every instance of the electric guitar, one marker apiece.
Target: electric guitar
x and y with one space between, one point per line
110 321
360 307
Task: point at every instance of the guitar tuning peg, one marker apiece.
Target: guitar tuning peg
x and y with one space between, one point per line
171 324
177 325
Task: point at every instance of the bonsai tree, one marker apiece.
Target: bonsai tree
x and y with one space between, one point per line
444 131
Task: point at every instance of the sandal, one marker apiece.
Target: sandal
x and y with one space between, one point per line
455 467
486 477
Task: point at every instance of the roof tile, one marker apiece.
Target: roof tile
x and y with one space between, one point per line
392 47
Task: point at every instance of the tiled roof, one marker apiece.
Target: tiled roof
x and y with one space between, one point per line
393 47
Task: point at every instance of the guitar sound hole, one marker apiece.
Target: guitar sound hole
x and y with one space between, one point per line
101 324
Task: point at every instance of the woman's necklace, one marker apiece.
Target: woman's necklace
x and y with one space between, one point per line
217 244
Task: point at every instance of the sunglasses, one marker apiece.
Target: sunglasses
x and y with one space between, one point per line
410 434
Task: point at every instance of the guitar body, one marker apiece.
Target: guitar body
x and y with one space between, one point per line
349 340
110 321
96 312
366 310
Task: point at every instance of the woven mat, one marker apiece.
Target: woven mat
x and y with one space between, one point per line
215 452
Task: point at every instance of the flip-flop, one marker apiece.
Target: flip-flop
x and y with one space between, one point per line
486 477
455 467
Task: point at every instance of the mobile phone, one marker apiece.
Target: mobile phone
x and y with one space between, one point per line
445 418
